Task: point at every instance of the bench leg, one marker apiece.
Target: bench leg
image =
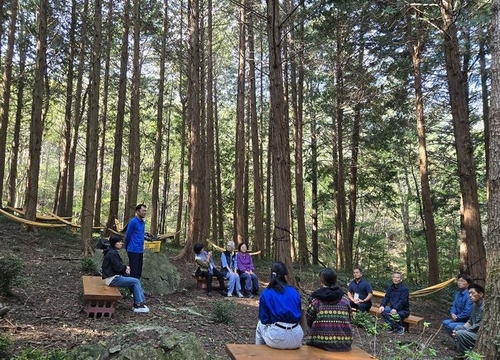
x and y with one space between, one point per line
100 308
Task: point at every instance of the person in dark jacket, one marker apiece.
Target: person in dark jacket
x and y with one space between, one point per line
329 315
395 306
116 273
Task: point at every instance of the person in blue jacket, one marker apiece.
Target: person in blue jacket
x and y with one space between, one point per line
279 312
395 306
134 241
462 305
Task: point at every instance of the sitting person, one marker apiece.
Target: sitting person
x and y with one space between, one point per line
228 270
115 273
360 291
329 315
279 313
395 306
207 269
466 335
462 305
245 268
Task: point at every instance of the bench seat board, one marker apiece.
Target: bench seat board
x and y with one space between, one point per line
261 352
99 298
412 319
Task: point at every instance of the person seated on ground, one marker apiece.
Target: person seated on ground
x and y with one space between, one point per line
466 335
228 270
360 291
279 312
462 305
245 268
329 315
395 306
116 273
207 269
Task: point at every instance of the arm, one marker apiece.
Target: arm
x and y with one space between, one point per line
369 291
264 315
404 297
311 312
465 313
129 232
116 264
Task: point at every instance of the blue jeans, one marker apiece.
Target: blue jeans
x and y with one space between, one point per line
394 321
251 281
130 282
450 325
234 282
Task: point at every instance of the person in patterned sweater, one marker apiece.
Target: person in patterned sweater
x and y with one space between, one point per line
329 315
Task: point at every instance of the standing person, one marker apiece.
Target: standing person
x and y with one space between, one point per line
227 260
134 241
244 267
329 315
462 304
466 335
117 274
360 291
395 306
207 269
279 313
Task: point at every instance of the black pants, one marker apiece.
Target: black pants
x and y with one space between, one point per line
217 274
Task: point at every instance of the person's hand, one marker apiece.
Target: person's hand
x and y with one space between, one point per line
127 270
454 333
393 311
454 317
381 309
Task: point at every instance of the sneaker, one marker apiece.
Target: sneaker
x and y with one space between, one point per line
229 295
401 331
390 330
240 295
223 292
141 308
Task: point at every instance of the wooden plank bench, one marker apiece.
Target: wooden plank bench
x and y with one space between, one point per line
410 320
99 298
305 352
201 282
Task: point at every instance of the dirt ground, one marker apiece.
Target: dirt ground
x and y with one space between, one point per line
47 308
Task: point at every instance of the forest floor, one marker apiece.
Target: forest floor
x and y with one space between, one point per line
47 308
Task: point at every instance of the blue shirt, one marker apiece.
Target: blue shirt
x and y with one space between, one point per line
363 288
134 237
280 307
462 305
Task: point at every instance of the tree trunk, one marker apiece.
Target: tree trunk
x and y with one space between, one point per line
239 224
120 117
153 226
416 44
12 199
280 148
314 190
134 151
62 182
36 127
487 342
92 135
483 38
7 81
473 260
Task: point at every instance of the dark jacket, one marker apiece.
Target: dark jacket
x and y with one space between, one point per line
112 264
397 297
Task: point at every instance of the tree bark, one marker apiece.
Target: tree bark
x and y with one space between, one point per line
416 43
280 148
7 81
487 342
472 257
36 127
92 136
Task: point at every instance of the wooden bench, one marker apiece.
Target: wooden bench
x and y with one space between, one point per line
410 320
258 352
99 298
201 282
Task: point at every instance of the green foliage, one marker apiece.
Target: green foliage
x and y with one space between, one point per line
35 354
223 312
472 355
10 269
88 264
365 320
5 344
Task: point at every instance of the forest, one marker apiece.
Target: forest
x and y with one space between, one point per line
333 132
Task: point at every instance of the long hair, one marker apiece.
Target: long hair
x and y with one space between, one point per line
278 277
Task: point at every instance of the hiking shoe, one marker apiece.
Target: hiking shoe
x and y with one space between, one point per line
229 295
223 292
401 331
240 295
141 308
390 330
